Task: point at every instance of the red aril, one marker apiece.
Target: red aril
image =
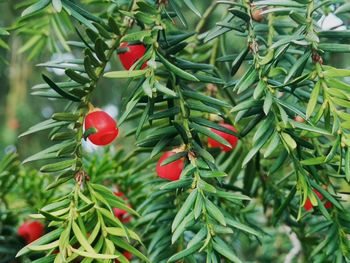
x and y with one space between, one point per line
105 125
308 205
126 254
121 214
170 171
31 231
132 55
228 137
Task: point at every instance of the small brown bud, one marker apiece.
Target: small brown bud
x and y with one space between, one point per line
320 60
212 89
254 47
257 16
316 58
191 156
299 119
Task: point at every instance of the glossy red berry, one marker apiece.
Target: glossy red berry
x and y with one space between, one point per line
122 215
308 205
228 137
105 125
328 205
31 231
134 53
126 254
171 171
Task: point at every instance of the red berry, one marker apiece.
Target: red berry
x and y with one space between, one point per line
119 194
228 137
126 254
131 56
308 205
328 205
319 195
31 231
171 171
105 125
122 215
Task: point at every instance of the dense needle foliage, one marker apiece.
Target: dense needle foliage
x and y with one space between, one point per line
283 91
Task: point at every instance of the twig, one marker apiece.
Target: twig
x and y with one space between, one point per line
295 243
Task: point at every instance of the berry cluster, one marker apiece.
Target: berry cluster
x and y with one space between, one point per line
172 171
308 205
101 129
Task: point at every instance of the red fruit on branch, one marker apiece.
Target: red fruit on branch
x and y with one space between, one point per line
105 126
31 231
126 254
328 205
170 171
121 214
228 137
308 205
132 55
